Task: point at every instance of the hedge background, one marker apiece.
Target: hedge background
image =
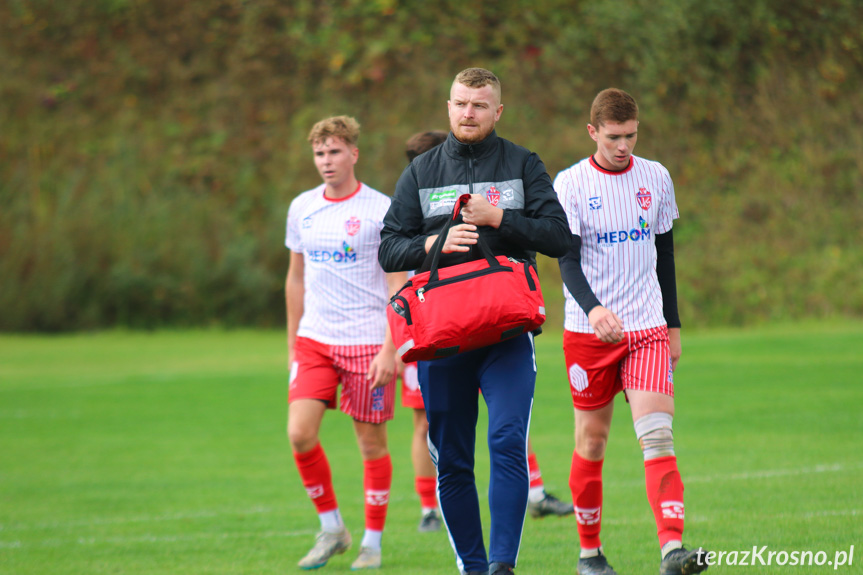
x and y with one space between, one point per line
150 149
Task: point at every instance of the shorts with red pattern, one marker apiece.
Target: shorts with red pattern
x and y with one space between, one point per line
318 369
597 371
411 394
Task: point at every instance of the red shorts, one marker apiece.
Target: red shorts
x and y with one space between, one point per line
411 394
597 371
318 368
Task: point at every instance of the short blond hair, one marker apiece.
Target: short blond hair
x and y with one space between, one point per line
343 127
477 78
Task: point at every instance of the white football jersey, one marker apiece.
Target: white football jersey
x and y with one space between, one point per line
345 287
617 215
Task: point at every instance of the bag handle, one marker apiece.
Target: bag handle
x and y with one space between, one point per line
437 248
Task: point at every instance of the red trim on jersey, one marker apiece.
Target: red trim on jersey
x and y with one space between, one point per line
609 172
352 194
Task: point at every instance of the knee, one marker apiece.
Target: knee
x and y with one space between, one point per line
508 440
302 439
591 446
655 435
421 428
372 443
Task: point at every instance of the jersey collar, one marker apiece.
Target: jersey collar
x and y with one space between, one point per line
611 172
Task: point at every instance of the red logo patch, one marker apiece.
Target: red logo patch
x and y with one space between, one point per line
352 226
644 198
493 196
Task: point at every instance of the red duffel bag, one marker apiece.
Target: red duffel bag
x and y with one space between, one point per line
455 309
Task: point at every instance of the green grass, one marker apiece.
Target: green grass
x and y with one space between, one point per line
165 453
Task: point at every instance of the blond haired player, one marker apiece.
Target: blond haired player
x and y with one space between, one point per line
336 293
622 330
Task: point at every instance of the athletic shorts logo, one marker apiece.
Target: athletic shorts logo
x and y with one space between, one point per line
577 378
378 399
595 203
352 226
377 496
493 196
672 509
315 491
588 515
410 377
670 371
643 197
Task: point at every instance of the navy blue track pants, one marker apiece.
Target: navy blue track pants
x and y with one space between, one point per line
506 375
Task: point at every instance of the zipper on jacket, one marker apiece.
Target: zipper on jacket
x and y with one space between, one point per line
470 164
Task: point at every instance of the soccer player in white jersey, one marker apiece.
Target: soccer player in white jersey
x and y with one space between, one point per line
336 294
622 330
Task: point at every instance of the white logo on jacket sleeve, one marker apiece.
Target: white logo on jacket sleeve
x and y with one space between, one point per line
577 377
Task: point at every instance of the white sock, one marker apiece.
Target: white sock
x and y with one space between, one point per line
671 546
587 553
331 521
427 510
372 539
536 494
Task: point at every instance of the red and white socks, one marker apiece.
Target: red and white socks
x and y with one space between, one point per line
377 479
317 479
426 488
585 482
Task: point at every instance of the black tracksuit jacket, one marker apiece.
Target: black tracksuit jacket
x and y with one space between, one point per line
511 177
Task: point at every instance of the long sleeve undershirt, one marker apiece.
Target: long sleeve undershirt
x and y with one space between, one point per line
576 282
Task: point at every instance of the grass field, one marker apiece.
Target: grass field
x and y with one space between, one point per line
165 453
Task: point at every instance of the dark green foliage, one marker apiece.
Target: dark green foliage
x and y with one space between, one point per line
150 149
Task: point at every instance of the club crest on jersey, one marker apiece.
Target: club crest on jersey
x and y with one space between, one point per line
644 198
595 203
307 222
493 196
352 226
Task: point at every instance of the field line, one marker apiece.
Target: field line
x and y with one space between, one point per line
755 474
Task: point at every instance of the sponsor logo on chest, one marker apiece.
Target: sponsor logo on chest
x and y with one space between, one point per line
638 234
442 199
346 255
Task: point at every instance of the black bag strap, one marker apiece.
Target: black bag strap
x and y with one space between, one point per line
437 248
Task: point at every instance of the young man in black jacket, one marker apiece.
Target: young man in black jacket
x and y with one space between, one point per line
515 208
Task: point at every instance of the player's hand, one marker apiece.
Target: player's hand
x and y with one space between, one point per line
460 238
382 368
606 325
674 345
479 212
400 366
